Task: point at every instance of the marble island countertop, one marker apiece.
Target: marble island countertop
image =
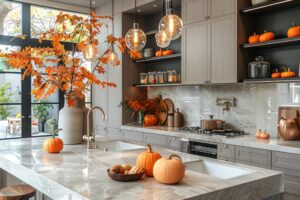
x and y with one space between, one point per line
77 173
274 144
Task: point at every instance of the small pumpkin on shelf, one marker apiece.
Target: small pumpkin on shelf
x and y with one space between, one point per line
253 38
53 145
294 31
159 53
167 52
150 120
266 36
169 170
287 73
276 74
147 159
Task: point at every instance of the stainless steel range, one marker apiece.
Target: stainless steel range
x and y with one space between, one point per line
223 132
204 148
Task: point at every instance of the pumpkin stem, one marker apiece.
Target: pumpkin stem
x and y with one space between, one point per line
149 148
55 133
173 155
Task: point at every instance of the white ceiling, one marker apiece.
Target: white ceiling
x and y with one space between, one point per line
83 3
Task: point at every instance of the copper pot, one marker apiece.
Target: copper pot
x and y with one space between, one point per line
289 129
212 124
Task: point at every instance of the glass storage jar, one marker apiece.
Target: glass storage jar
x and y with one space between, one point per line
152 77
162 77
172 76
259 68
143 78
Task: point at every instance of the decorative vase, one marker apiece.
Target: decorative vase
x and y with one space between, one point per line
140 117
70 120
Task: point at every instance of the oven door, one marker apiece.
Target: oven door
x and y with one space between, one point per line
203 149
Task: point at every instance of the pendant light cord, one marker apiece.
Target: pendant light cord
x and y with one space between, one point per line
135 12
91 28
113 22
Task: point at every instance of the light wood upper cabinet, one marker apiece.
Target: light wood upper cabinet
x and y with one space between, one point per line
223 50
194 11
218 8
143 2
195 59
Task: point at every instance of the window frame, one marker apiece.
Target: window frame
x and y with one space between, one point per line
26 102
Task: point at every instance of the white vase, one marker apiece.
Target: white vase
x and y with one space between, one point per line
70 120
85 110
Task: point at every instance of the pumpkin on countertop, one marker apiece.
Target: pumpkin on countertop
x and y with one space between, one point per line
266 36
147 159
53 145
254 39
150 120
294 31
136 170
169 170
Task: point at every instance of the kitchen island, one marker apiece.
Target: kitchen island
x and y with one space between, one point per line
78 173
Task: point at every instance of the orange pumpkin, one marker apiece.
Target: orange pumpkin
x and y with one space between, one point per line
167 52
264 135
266 36
159 53
147 159
294 31
169 170
254 38
287 73
150 120
276 74
53 145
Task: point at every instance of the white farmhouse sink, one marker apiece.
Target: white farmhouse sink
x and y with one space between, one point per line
115 146
219 170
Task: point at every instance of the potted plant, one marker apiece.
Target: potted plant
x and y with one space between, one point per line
64 71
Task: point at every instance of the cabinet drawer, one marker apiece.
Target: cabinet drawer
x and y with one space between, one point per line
255 157
225 150
285 160
154 139
133 136
174 142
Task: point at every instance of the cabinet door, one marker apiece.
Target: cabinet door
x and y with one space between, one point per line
223 50
157 140
195 62
194 11
251 156
220 8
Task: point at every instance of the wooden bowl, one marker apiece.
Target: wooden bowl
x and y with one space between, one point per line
125 177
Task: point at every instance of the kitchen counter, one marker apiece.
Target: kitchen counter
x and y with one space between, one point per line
77 173
274 144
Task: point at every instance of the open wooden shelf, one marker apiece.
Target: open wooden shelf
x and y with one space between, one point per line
272 80
273 43
271 6
160 58
157 85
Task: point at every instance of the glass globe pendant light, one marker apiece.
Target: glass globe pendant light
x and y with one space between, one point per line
90 51
112 57
170 22
135 38
163 38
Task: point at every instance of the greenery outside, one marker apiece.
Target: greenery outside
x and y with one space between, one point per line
5 97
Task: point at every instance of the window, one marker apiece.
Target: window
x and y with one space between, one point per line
10 18
21 115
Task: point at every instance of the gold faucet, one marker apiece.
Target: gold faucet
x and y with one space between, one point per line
89 137
226 107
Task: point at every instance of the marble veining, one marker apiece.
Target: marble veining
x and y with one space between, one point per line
77 173
274 144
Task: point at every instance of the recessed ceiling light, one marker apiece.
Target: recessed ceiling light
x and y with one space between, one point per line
139 10
154 5
93 2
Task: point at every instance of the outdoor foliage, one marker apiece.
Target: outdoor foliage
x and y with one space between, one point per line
41 111
5 97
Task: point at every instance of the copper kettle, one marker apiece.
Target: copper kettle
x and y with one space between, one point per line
289 129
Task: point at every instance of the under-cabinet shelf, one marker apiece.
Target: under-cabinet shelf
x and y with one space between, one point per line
273 43
272 80
272 6
160 58
158 85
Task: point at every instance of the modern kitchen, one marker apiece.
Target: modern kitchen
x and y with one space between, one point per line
150 99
